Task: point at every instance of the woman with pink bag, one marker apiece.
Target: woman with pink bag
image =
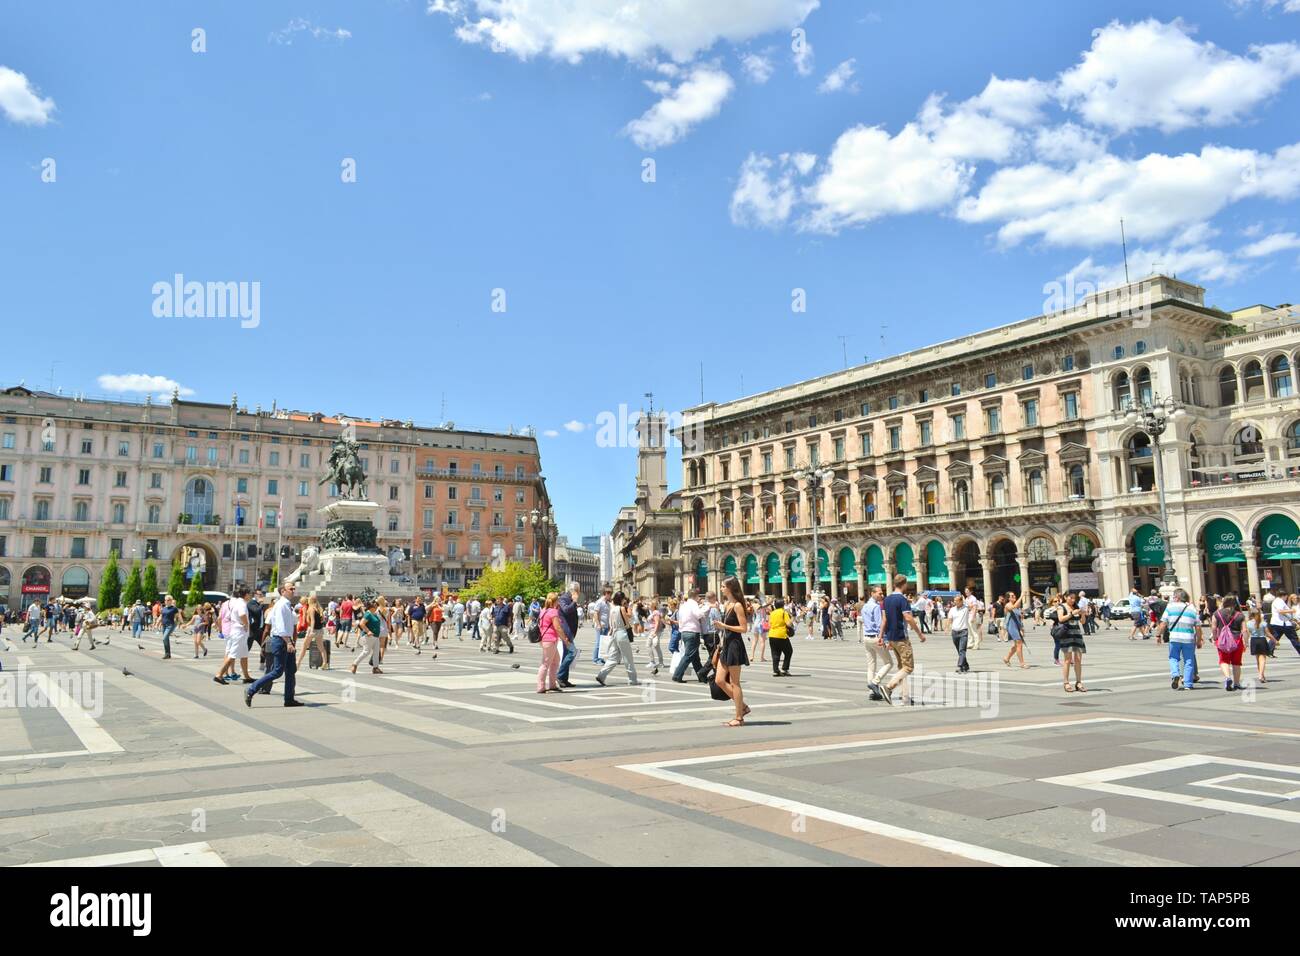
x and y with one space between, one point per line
552 636
1227 623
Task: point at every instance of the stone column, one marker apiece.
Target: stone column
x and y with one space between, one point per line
953 583
1251 551
862 579
1023 561
1063 569
921 579
987 565
785 580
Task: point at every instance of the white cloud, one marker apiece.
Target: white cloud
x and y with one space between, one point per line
758 67
1269 245
575 426
870 174
142 384
697 98
766 191
285 35
1288 6
1068 143
551 433
1156 194
1155 74
840 78
19 100
635 29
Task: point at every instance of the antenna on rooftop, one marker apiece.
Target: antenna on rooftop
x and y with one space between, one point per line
1124 245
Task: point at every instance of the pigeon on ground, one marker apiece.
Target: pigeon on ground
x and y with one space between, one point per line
139 647
126 673
514 667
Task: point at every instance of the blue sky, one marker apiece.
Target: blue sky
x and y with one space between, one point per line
500 145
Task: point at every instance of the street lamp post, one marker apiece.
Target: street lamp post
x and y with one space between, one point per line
1154 417
544 531
816 478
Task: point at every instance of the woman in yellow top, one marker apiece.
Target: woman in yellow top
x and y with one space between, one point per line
779 628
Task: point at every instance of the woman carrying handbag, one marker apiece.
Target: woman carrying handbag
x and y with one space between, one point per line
1228 622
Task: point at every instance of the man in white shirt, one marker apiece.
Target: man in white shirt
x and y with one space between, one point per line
976 621
959 621
600 619
235 611
692 620
280 649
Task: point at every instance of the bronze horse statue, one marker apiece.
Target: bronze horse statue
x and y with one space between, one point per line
345 471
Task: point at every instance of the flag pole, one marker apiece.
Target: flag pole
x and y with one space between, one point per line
234 572
279 540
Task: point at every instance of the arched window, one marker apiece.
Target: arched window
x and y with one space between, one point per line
1253 381
929 499
1292 436
769 518
1039 549
1141 464
791 514
747 520
1142 387
1247 444
198 500
1279 371
1227 387
841 509
868 505
998 492
1123 392
961 496
1037 487
1076 481
1184 386
726 520
898 503
698 520
1194 462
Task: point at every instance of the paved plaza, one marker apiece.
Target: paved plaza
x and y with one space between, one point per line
457 761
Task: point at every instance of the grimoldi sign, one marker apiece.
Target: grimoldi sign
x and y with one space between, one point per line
1150 546
1223 542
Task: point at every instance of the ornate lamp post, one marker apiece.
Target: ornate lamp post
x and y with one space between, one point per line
544 531
816 479
1153 417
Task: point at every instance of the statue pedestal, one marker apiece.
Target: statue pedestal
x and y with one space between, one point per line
348 561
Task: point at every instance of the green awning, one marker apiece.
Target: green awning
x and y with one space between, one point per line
848 565
1279 539
823 565
773 563
1149 546
702 569
1223 542
729 567
904 561
876 566
936 563
751 570
796 568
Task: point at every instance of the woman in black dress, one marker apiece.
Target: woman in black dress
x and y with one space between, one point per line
730 656
1070 629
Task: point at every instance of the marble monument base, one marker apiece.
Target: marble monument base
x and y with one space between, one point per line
347 562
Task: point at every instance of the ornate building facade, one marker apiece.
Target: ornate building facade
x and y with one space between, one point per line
1007 460
154 481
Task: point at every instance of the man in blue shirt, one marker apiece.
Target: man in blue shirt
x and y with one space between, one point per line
568 608
879 661
501 624
898 618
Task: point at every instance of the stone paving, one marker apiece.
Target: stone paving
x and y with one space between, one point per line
456 761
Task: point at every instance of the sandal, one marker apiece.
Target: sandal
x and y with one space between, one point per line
1069 688
1024 667
1080 688
735 722
746 713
